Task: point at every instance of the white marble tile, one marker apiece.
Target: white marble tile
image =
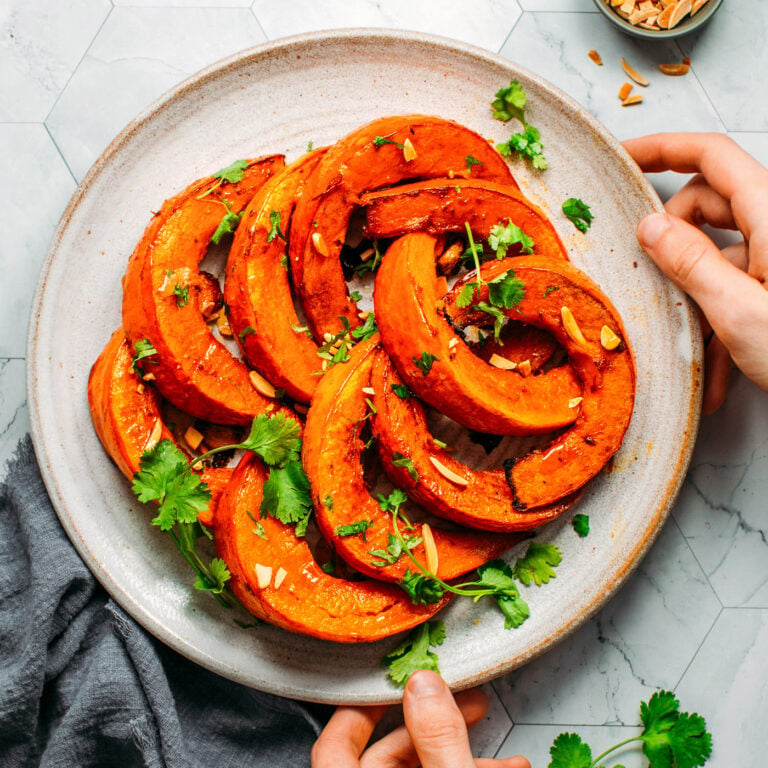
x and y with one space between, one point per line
35 187
558 5
14 416
725 684
488 735
555 45
41 43
729 56
139 54
754 143
535 741
721 510
184 3
485 23
599 674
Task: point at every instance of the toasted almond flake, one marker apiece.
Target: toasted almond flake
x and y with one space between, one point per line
148 377
140 388
572 327
155 434
325 364
193 438
369 391
430 548
608 339
263 575
280 575
624 91
327 336
595 56
674 70
320 246
497 361
363 315
447 473
451 174
633 73
574 402
615 3
636 99
627 7
261 385
666 15
366 254
222 323
697 5
453 342
409 151
682 9
524 368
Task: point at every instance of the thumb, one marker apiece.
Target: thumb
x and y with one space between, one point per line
435 723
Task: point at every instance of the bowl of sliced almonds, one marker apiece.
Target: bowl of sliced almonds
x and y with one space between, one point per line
658 18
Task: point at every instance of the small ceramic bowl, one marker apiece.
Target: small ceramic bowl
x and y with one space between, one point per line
686 26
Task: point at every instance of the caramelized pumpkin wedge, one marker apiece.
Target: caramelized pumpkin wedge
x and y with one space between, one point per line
382 153
126 415
438 206
446 486
195 371
278 580
258 292
576 314
441 369
332 458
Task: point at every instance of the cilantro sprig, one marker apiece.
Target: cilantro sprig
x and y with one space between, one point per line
231 174
414 652
670 739
509 104
142 349
579 213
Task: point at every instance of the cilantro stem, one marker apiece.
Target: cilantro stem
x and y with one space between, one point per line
473 248
608 751
210 189
198 567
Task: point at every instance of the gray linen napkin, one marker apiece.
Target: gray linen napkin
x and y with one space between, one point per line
81 684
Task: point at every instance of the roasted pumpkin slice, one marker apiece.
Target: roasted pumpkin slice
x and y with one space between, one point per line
438 481
126 415
566 302
438 206
332 458
195 371
258 292
277 579
441 369
380 154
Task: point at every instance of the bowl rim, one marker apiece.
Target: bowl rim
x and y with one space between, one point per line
683 29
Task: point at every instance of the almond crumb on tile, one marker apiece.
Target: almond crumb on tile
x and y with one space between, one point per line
595 56
625 90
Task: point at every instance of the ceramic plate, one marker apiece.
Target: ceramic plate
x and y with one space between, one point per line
277 98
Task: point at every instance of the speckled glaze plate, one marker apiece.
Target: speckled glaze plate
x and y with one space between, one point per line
276 98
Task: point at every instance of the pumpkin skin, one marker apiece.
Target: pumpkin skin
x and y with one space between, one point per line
438 206
125 410
258 292
195 371
332 458
580 452
485 502
308 601
355 165
459 384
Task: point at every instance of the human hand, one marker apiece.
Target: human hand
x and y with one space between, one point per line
729 191
434 734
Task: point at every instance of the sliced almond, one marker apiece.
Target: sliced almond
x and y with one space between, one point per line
430 548
448 474
697 5
363 315
193 438
148 377
682 9
608 339
140 388
524 368
320 245
575 402
261 385
155 434
280 575
572 327
409 151
624 91
636 99
634 74
627 7
595 56
497 361
366 254
369 391
674 70
222 323
263 575
663 18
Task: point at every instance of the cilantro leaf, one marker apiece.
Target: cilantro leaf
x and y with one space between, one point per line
274 230
394 551
498 576
509 103
227 226
414 652
422 589
498 318
401 391
380 141
527 145
232 173
275 438
538 564
569 751
424 363
287 496
466 294
470 161
181 292
247 331
392 502
218 576
403 461
353 529
142 348
506 290
581 525
579 214
367 329
503 237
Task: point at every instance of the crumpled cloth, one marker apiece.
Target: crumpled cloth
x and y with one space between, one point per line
82 684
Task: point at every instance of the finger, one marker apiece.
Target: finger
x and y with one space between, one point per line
435 723
736 305
396 750
698 204
508 762
718 365
344 737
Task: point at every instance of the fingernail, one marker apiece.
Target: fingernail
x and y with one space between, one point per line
425 683
651 228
